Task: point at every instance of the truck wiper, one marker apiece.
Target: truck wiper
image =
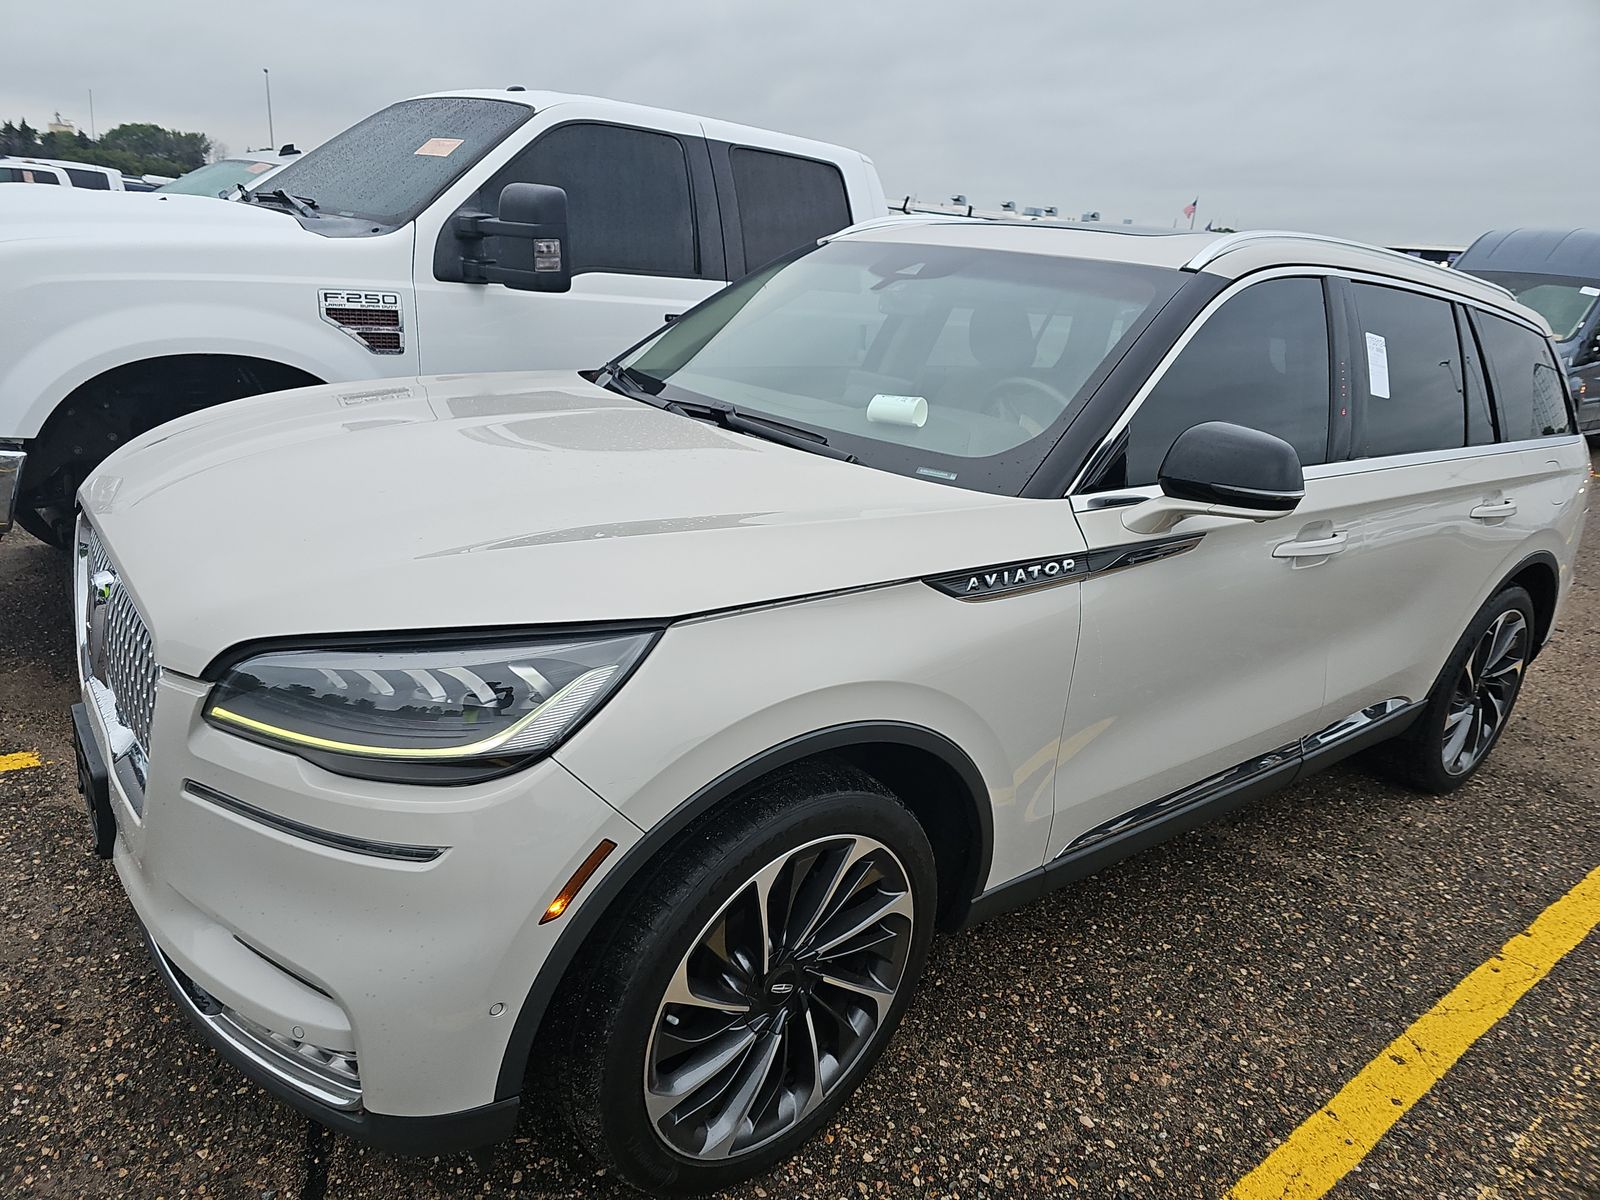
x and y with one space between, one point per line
720 412
302 205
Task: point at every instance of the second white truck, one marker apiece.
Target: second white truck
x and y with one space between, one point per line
403 246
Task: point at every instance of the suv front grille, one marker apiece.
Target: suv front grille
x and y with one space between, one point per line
114 643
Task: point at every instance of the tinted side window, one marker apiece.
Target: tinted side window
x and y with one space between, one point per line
1261 361
629 207
1527 386
10 175
785 202
88 179
1407 343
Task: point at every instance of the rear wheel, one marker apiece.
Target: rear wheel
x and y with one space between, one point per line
743 994
1472 700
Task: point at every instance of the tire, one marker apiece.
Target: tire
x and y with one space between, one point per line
1471 701
623 1037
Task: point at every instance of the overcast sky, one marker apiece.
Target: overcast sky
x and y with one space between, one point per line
1390 120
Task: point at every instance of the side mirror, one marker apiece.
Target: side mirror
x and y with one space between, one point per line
532 227
1222 470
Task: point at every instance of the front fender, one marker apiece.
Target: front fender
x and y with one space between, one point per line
70 311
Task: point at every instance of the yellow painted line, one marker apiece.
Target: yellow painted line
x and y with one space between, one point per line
1340 1134
19 762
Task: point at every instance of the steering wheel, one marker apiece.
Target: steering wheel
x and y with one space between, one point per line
1006 400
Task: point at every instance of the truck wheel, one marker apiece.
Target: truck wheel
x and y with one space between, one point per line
743 993
1471 702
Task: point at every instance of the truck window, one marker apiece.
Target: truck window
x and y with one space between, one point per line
785 202
1527 385
629 206
391 166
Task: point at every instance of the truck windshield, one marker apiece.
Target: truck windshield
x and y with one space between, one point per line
952 363
1565 303
391 166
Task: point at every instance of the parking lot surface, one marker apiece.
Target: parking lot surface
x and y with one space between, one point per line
1153 1031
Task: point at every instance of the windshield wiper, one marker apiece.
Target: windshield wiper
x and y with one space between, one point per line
301 205
720 412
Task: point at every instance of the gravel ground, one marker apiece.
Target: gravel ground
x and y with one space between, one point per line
1153 1031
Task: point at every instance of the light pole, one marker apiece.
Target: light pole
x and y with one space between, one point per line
272 137
91 115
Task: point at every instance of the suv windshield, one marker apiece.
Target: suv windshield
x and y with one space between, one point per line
218 178
1565 303
388 168
950 363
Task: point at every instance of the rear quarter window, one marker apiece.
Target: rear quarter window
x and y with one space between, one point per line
1528 393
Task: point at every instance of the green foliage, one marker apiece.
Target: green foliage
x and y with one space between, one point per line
137 149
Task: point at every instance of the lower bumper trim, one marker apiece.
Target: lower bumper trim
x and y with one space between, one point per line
442 1134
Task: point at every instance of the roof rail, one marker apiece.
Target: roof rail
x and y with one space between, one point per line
1233 241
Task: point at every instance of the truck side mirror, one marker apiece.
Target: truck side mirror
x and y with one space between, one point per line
532 227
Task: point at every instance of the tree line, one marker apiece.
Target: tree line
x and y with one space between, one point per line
136 149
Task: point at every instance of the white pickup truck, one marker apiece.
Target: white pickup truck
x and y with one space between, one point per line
463 231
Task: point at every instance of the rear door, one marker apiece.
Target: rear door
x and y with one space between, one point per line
1205 649
781 202
1431 486
645 242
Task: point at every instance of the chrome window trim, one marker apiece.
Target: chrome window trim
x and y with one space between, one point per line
1313 272
1422 458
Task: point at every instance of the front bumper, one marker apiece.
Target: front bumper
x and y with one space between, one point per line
11 460
276 944
442 1134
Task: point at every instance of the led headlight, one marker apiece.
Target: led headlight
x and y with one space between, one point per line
446 713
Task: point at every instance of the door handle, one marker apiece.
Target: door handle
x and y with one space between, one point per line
1317 548
1498 511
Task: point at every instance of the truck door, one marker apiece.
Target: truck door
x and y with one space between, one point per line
645 243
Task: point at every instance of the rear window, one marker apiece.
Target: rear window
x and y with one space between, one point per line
87 179
391 166
1528 391
785 202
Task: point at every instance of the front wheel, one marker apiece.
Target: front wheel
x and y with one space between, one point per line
1471 702
742 995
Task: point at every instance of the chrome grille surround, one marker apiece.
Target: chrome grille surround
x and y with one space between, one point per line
115 651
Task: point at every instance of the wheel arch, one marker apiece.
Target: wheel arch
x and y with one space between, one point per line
137 395
923 768
1539 574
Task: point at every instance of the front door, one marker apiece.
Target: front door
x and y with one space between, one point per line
1202 648
644 241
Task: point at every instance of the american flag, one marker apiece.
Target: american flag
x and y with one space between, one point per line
1189 208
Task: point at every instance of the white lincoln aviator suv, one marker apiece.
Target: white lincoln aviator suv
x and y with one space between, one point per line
628 734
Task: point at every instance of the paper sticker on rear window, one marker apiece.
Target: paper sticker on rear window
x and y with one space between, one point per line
257 168
1378 366
439 147
1590 291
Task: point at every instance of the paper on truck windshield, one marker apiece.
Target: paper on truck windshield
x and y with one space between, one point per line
439 147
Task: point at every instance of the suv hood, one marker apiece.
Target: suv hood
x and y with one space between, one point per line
489 501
